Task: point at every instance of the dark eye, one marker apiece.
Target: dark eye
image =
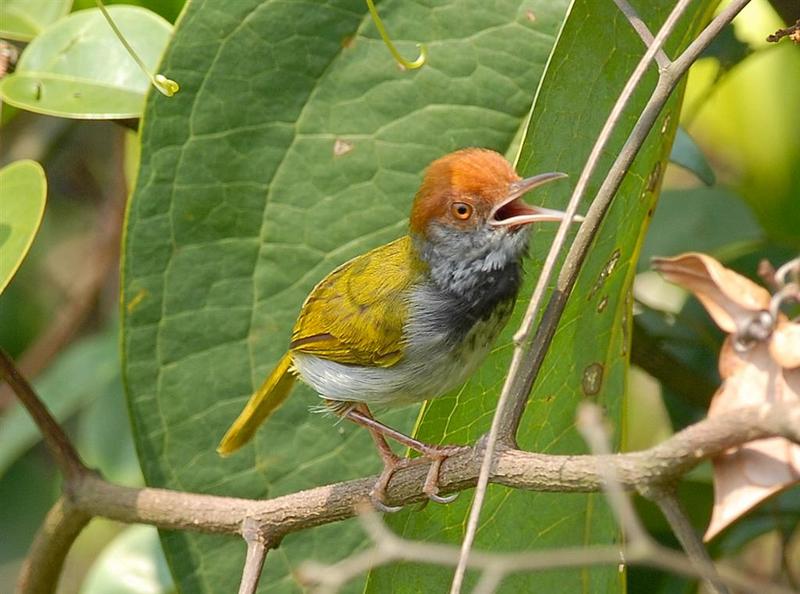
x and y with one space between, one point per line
461 210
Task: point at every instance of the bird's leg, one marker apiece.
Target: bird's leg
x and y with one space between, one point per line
361 415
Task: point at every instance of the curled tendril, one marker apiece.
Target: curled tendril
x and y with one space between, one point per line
423 51
166 86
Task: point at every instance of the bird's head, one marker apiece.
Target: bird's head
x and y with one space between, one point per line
470 206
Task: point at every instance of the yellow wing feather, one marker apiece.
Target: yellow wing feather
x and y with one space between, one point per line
357 314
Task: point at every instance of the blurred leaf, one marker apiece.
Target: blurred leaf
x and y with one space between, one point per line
239 212
169 9
709 220
748 126
86 370
23 20
689 156
589 354
28 489
104 437
21 208
727 49
79 69
133 563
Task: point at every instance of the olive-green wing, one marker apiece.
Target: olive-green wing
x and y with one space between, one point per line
357 313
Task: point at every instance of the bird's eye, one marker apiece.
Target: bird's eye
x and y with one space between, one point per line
461 210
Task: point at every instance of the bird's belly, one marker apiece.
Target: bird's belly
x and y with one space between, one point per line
431 366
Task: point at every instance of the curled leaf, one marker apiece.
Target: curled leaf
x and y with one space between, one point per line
765 371
729 298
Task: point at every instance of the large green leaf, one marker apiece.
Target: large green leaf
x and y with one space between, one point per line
245 199
79 69
589 354
24 187
25 19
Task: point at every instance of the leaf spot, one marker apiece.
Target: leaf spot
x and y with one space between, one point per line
341 147
592 379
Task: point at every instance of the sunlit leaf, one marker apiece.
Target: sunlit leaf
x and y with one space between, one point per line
79 69
25 19
24 191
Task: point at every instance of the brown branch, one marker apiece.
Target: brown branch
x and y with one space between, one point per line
54 437
42 567
258 544
792 33
660 465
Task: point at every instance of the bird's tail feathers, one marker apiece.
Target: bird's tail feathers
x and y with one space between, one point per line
262 404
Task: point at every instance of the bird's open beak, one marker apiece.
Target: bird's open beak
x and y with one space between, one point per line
512 211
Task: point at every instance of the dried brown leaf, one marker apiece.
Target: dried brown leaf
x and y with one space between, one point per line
729 298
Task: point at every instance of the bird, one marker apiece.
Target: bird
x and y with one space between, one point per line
412 319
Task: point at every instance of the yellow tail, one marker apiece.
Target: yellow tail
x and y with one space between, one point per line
261 405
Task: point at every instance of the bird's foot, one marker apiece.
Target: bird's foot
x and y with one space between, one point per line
437 455
378 495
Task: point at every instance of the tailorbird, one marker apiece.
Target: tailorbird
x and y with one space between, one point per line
412 319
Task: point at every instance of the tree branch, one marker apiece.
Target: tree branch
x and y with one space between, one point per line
54 437
42 567
640 471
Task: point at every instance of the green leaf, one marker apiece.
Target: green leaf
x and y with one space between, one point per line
132 563
589 354
79 69
89 369
21 208
712 220
243 204
25 19
689 156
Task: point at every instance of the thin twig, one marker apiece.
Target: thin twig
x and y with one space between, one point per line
257 547
42 567
590 424
514 394
54 437
389 548
642 30
667 501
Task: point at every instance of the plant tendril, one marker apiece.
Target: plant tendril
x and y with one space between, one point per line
423 51
166 86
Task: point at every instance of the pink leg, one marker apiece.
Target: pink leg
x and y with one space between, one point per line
361 415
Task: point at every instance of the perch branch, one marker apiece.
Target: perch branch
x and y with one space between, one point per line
660 465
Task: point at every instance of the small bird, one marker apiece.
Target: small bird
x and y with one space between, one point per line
412 319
